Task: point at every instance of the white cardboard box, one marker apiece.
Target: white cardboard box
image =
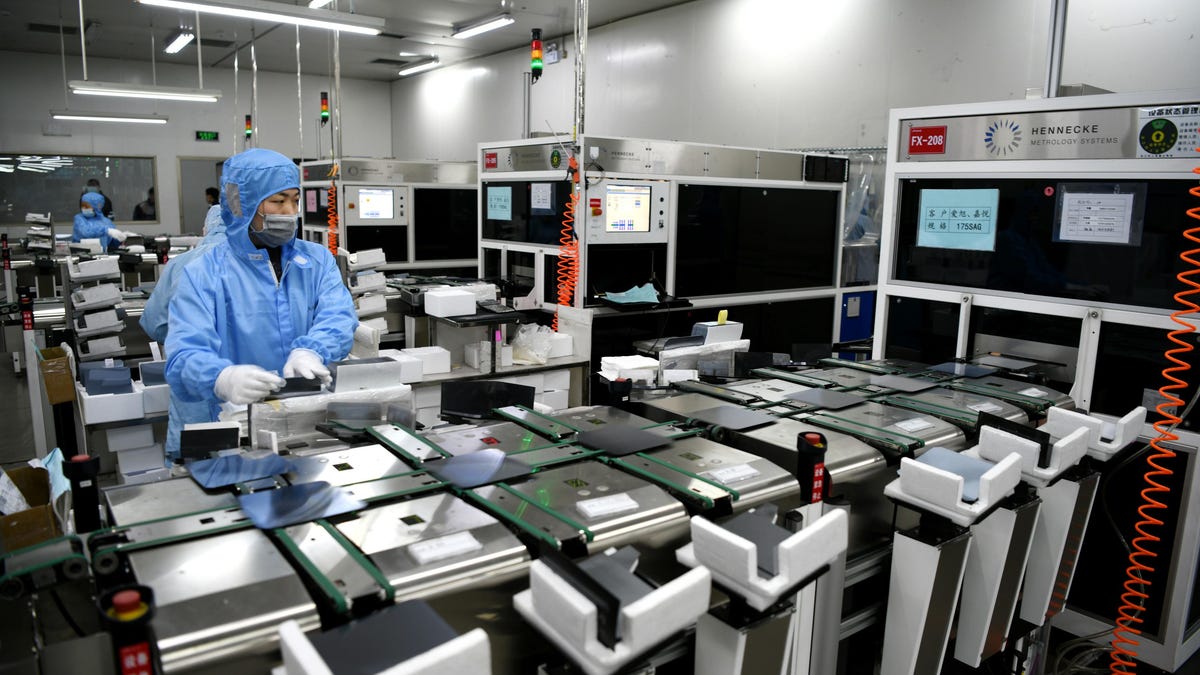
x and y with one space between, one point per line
449 302
155 398
126 438
561 344
535 380
108 407
137 460
433 359
556 399
556 379
358 374
479 355
411 366
370 304
429 416
427 397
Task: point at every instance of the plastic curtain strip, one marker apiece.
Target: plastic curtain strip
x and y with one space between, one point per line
1144 544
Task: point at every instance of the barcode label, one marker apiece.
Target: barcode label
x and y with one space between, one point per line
732 474
606 506
914 424
433 550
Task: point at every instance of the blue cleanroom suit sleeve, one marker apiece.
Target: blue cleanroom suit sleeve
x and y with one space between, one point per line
332 332
154 315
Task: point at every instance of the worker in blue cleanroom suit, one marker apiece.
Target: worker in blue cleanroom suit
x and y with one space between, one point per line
90 223
259 304
154 322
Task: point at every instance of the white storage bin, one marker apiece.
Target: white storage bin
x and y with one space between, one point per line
156 398
95 297
99 268
108 407
363 260
368 305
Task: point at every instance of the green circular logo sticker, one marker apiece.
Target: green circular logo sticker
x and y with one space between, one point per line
1158 136
555 158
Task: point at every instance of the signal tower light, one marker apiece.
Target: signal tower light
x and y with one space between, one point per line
535 54
324 108
249 127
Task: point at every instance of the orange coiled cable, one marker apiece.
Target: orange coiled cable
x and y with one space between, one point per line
332 214
568 249
1135 595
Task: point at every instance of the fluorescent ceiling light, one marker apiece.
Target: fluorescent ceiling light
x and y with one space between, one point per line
132 118
124 90
178 40
278 12
420 66
482 26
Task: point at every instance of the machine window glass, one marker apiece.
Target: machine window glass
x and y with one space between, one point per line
751 239
445 223
1043 245
517 211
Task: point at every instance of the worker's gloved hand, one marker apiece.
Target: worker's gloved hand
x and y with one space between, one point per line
114 233
242 385
307 364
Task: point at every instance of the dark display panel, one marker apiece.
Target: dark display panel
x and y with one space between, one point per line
1026 258
445 222
924 331
748 240
1129 366
526 224
393 239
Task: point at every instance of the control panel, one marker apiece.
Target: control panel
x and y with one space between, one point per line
619 211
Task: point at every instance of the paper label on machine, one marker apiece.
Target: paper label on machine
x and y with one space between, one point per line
958 219
449 546
914 424
610 505
732 474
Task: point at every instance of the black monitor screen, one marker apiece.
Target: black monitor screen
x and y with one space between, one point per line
753 239
445 223
526 211
391 238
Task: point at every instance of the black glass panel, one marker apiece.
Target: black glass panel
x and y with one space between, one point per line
1026 258
745 240
445 223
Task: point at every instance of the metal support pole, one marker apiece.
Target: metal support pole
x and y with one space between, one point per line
526 104
1058 29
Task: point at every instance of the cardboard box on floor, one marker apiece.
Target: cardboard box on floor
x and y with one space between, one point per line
36 524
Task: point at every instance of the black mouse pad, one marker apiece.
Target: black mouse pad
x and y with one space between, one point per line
618 440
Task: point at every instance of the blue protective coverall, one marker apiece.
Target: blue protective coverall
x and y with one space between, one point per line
228 307
154 322
95 226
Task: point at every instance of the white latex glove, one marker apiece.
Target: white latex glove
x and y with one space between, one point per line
242 385
114 233
307 364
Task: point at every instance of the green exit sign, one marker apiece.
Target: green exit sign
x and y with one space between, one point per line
207 136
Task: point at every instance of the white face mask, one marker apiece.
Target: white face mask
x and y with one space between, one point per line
87 212
278 229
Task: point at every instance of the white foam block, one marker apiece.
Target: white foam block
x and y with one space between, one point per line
433 359
449 302
137 460
411 366
126 438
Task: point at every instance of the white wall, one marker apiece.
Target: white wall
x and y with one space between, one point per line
798 73
38 79
761 73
